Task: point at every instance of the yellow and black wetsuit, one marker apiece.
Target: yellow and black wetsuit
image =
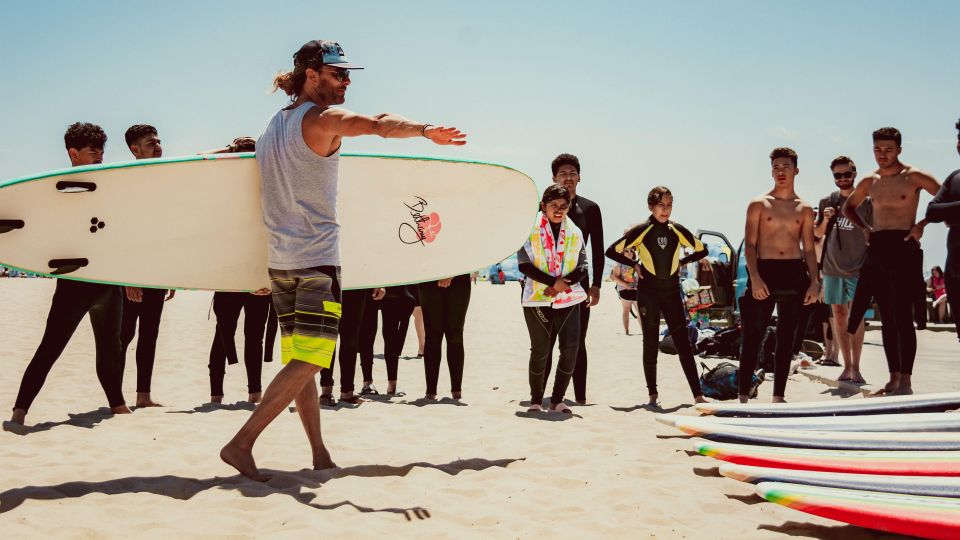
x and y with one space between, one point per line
658 249
658 290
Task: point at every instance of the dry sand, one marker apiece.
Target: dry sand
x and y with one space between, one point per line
480 468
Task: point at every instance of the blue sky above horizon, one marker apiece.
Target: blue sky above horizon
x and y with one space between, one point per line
691 95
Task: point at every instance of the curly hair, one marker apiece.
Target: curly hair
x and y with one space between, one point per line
138 131
243 144
657 194
554 192
784 152
842 160
887 134
564 159
291 82
84 134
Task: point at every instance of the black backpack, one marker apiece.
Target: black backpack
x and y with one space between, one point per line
722 382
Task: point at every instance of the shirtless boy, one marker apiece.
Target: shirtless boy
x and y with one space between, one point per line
782 268
893 270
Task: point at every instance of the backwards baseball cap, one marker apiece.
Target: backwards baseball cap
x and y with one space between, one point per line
322 53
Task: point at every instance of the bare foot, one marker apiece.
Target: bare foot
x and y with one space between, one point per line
391 387
322 461
143 400
535 407
242 461
216 399
254 397
122 409
350 398
581 402
560 407
744 399
431 397
700 399
653 400
903 391
778 399
456 395
888 389
19 416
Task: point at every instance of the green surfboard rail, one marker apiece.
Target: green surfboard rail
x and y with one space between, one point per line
236 155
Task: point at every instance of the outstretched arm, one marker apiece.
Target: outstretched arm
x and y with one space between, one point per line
344 123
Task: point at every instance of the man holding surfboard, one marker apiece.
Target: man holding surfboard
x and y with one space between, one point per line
298 155
72 300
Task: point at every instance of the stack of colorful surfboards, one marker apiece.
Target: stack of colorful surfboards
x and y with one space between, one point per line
890 464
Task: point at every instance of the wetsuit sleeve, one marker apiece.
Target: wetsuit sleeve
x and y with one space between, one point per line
615 251
941 208
528 269
689 240
580 271
595 222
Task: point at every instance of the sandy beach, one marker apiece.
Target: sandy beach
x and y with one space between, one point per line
479 468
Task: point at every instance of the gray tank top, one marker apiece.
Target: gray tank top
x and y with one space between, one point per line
298 195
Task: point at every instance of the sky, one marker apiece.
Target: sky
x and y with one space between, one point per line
692 95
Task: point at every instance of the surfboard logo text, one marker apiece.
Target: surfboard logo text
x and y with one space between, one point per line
424 227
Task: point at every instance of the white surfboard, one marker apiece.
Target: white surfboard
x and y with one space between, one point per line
195 222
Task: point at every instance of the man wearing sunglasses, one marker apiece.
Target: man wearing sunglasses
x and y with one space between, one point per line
298 156
844 250
945 207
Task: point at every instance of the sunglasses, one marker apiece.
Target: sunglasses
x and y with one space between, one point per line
848 174
340 74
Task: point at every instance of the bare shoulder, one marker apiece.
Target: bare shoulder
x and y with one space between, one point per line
918 175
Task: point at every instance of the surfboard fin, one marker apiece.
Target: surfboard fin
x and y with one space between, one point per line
66 186
7 225
65 266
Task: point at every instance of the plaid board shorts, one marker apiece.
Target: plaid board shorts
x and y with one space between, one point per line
308 307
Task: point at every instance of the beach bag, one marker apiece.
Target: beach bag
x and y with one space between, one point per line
669 347
722 381
725 343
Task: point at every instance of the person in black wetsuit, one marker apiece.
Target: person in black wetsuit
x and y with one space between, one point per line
143 304
585 214
444 304
356 306
72 300
657 242
782 268
396 306
259 319
893 270
553 261
945 207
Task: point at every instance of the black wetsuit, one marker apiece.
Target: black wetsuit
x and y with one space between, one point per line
444 315
945 207
658 292
147 312
546 325
72 300
891 274
355 306
585 214
787 282
256 322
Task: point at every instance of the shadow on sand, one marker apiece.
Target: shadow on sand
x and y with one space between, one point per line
279 483
86 420
653 408
838 532
212 407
